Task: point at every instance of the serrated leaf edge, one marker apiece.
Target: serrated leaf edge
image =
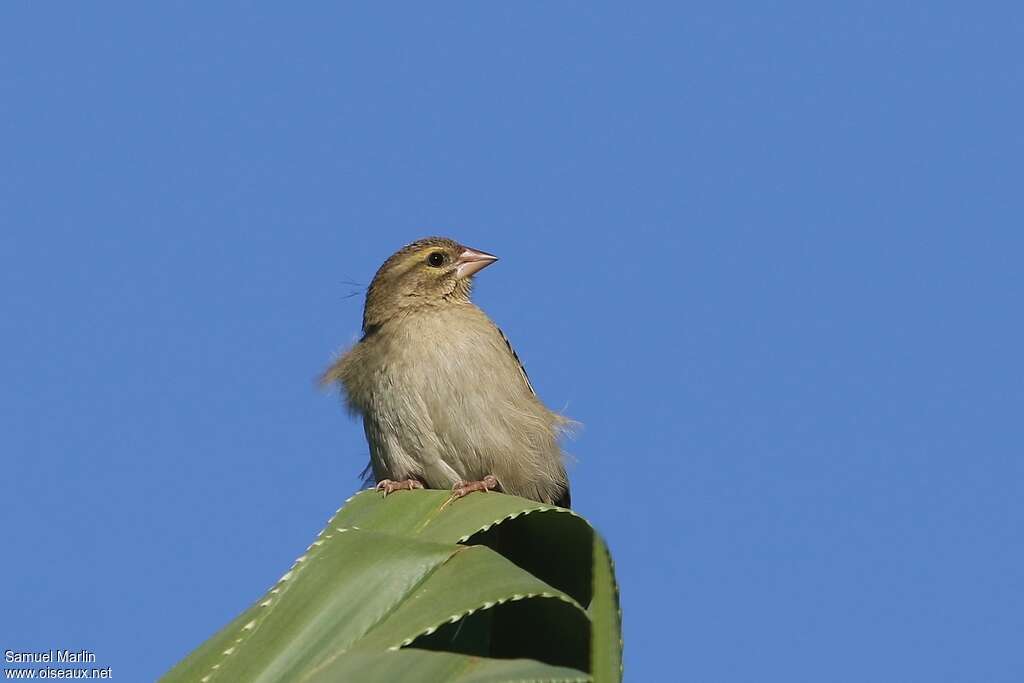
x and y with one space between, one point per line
269 599
515 597
521 513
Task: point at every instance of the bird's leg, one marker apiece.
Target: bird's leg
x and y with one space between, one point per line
389 486
464 488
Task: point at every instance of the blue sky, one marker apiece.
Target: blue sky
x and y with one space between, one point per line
770 257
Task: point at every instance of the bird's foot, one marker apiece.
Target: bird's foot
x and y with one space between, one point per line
388 486
464 488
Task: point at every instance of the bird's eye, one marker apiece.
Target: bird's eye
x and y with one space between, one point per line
436 259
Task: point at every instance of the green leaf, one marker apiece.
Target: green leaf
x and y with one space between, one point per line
488 579
416 666
606 618
545 540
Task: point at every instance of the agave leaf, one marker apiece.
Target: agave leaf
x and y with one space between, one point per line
486 576
416 666
475 578
606 618
427 514
548 541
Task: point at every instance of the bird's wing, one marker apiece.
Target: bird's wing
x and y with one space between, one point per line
515 356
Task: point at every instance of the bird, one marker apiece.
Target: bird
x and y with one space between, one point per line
444 399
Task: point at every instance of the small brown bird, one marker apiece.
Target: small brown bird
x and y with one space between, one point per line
444 399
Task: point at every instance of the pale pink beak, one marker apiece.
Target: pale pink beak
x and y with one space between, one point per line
470 261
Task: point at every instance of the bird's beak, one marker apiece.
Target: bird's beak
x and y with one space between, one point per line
470 261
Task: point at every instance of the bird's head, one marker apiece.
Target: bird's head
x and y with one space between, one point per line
430 272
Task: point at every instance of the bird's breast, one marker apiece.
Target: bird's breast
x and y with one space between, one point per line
435 353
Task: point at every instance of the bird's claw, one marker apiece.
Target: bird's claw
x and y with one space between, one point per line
388 486
464 488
